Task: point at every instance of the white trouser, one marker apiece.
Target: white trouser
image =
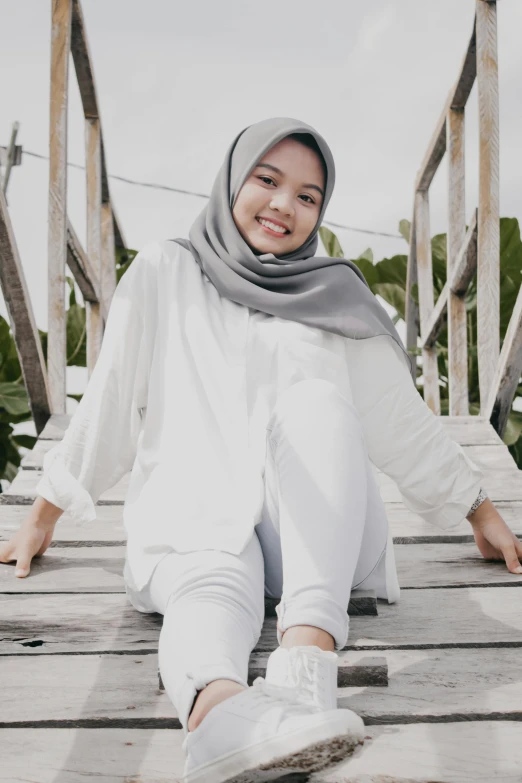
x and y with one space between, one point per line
323 532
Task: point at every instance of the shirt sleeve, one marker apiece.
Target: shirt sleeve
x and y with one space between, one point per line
100 443
405 439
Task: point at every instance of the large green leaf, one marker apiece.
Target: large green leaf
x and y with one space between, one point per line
331 243
510 249
405 229
513 428
26 441
72 293
76 336
124 258
370 273
10 369
13 397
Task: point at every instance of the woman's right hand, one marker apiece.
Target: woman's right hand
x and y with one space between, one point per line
32 537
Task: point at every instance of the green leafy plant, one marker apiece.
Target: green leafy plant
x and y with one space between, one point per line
14 403
387 278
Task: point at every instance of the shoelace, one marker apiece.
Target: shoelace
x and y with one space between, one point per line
290 696
303 671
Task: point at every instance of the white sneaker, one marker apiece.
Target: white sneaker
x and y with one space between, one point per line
264 732
306 667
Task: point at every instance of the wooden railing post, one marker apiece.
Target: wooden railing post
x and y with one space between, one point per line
411 307
488 262
57 236
425 280
94 237
456 307
108 275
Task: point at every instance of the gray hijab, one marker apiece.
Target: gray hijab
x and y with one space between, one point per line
329 293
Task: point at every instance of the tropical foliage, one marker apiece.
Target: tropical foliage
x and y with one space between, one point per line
14 404
387 278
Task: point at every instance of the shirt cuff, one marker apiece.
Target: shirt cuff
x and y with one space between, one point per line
61 488
468 480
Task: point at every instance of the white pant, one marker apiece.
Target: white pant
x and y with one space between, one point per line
323 532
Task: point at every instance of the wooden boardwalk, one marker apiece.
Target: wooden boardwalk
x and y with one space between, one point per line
436 677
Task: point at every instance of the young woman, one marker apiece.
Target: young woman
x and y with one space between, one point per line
251 387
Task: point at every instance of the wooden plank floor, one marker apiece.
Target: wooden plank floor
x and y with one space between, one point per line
436 677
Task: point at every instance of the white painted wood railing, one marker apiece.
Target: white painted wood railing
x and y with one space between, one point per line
476 250
94 269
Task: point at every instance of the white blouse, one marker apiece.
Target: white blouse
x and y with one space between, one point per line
182 392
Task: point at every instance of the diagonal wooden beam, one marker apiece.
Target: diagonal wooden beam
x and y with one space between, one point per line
80 266
87 85
23 325
459 280
457 99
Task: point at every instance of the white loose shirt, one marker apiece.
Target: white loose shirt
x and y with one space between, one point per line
182 393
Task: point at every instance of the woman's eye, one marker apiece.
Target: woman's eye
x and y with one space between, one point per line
311 199
268 178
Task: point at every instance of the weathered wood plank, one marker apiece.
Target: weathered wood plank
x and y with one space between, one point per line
465 752
57 220
406 526
77 688
451 617
491 456
466 430
22 489
503 484
423 685
100 569
477 752
108 527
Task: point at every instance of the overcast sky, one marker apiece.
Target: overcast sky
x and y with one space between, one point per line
177 81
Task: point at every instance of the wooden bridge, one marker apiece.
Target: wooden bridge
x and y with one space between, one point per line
435 677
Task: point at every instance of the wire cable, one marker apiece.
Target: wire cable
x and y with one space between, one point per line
157 186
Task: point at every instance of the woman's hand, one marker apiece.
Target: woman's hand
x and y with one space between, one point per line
495 540
33 536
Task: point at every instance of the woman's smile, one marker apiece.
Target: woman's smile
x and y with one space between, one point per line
272 227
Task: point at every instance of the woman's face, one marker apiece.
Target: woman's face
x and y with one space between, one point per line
286 188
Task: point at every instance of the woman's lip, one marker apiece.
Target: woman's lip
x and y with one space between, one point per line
269 230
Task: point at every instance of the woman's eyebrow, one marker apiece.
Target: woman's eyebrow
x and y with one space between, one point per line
278 171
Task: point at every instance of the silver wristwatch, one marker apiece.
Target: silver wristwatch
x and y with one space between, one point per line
480 499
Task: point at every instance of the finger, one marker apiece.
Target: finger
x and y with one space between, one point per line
23 564
511 558
6 550
518 545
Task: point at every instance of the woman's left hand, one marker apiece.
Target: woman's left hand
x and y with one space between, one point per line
495 540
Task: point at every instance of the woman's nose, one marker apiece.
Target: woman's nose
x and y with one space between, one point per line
282 203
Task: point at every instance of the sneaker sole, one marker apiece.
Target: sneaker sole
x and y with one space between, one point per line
306 750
